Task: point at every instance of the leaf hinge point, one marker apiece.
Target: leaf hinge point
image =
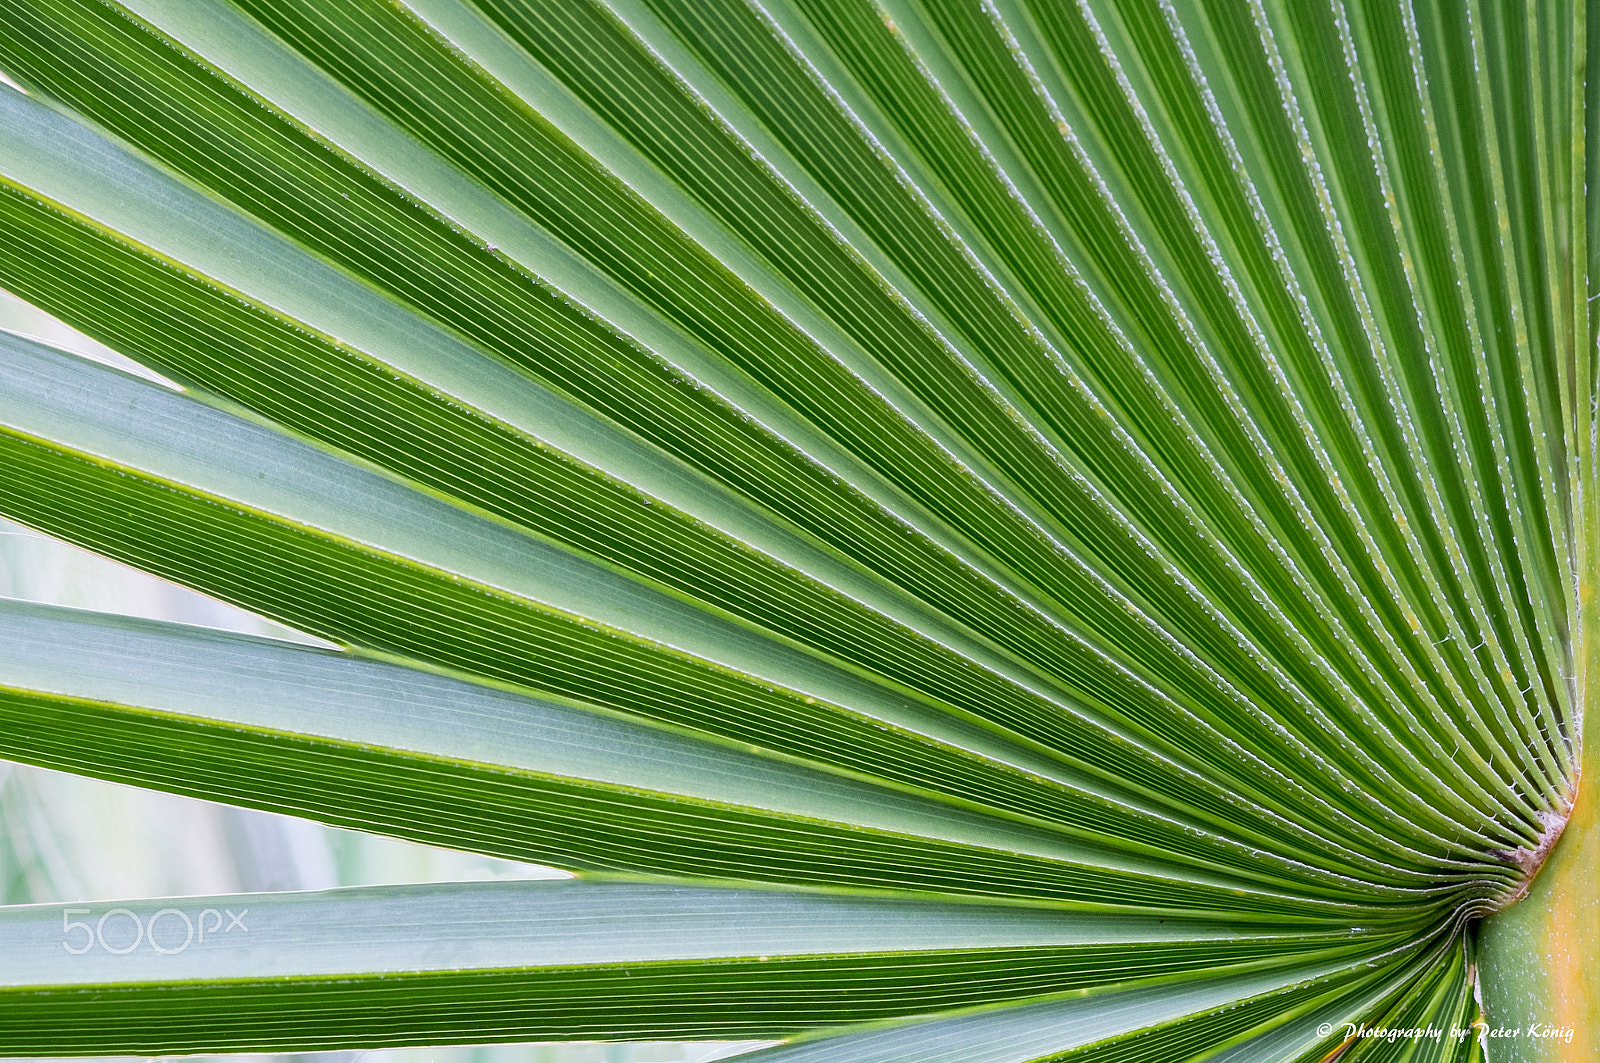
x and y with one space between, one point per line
1531 860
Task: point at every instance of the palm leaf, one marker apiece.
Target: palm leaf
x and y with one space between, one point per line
1087 507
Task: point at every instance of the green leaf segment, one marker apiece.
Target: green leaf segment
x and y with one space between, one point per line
985 532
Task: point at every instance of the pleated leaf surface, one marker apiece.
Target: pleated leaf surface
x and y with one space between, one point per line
981 530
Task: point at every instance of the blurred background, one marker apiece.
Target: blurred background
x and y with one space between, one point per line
66 838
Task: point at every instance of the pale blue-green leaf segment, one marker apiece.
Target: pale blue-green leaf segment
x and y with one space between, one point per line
1022 530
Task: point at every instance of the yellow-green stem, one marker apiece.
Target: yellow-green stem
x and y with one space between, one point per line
1539 960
